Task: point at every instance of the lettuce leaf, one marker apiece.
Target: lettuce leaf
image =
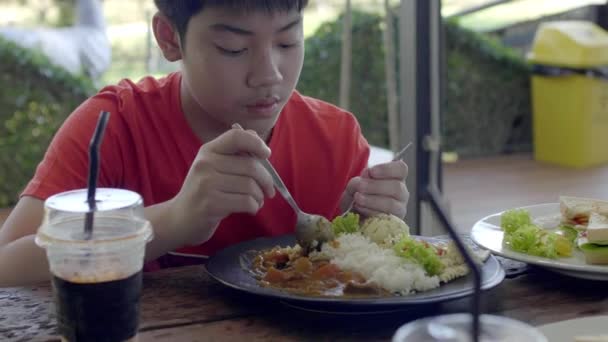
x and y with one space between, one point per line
345 224
568 232
421 253
513 219
534 240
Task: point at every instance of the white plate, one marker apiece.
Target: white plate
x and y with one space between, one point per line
566 331
488 234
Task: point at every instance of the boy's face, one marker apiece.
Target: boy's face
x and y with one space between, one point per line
241 67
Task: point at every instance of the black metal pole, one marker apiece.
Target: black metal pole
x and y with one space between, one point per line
423 101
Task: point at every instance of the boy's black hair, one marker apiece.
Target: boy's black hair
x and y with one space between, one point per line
179 12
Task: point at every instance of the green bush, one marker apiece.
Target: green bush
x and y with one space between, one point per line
487 109
487 92
36 98
320 76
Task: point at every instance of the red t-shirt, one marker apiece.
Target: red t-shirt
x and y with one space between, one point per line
148 147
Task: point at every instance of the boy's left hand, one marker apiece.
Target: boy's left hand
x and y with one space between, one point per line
380 189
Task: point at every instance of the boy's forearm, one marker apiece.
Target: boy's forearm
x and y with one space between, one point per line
167 234
23 262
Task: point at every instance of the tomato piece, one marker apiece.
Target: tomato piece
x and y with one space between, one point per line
326 271
274 276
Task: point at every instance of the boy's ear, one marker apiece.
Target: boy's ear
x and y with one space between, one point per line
167 37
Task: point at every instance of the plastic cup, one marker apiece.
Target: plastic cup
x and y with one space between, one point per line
96 279
457 328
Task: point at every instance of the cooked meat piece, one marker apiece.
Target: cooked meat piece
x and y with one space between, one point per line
369 289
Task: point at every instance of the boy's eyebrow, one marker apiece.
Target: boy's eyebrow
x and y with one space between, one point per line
243 32
225 27
290 25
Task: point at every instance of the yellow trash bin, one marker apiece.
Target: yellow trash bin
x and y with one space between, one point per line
570 93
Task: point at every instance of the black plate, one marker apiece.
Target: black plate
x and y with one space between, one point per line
230 267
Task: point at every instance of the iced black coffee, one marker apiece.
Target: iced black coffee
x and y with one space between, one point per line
106 310
96 278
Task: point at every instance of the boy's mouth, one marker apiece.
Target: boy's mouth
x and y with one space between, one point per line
264 107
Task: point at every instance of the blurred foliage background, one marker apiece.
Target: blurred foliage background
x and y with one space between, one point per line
36 97
487 92
320 76
487 100
487 96
55 13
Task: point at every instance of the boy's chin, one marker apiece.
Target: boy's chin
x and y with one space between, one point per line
261 127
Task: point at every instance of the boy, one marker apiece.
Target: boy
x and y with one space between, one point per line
171 141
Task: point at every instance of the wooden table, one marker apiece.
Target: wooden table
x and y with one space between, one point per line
184 304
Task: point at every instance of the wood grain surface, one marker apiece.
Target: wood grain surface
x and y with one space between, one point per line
184 304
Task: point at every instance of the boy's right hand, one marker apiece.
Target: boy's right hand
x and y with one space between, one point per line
224 178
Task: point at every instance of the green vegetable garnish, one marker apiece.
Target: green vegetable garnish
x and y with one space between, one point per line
593 247
345 224
521 235
511 220
532 240
421 253
568 232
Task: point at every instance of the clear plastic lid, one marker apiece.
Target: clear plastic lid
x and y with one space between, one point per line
106 199
118 217
457 328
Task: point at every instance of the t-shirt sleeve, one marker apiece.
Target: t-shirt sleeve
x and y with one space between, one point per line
66 162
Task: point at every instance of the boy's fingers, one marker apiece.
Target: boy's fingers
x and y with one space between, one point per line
265 181
392 170
237 141
365 211
246 166
365 173
384 187
379 204
235 184
353 186
240 203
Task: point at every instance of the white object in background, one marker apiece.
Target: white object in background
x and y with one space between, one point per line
574 330
456 328
379 155
83 47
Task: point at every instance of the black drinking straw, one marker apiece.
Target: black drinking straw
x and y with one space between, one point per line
442 213
93 171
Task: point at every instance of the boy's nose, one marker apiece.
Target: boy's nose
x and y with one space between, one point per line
264 72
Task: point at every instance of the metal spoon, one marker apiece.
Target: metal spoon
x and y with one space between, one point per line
397 156
311 230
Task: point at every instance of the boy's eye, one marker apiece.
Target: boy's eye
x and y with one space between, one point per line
230 52
287 46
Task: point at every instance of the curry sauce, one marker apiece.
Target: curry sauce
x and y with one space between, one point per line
298 274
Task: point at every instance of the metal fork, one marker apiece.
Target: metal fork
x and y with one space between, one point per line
397 156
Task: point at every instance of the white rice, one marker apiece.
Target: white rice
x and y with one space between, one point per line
382 266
